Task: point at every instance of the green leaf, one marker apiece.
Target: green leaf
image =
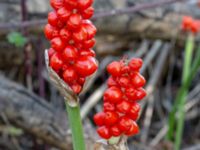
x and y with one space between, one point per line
17 39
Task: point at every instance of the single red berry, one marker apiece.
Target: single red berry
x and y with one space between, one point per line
113 95
140 93
63 14
134 129
76 88
137 80
124 81
65 34
56 4
80 34
111 117
187 22
125 69
74 21
81 81
131 93
104 132
115 131
111 82
83 4
99 118
114 68
51 52
86 52
50 32
57 44
89 43
135 64
86 65
54 20
71 3
125 123
88 13
123 106
70 53
56 62
134 111
90 28
108 106
69 75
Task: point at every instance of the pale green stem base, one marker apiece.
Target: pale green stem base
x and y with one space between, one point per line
76 127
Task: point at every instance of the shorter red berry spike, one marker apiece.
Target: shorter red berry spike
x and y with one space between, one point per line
190 24
120 108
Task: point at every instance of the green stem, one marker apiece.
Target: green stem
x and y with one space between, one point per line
181 111
179 99
76 127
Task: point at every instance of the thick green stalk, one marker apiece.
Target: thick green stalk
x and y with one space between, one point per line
76 127
181 111
179 101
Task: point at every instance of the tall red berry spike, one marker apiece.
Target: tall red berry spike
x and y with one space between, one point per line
71 35
121 108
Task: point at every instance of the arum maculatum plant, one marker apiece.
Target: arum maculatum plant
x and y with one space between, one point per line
70 61
121 109
190 67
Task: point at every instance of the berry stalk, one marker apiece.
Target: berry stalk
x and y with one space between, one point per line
76 127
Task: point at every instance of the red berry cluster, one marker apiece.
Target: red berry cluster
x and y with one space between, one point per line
72 36
190 24
120 108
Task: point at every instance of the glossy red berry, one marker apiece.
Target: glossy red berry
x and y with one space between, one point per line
65 34
69 75
115 131
124 81
113 95
88 13
56 61
111 118
53 18
76 88
99 118
56 4
134 129
140 93
51 52
85 65
114 68
123 106
71 3
50 32
90 28
134 110
137 80
108 107
111 82
63 14
81 81
104 132
57 44
125 123
83 4
80 35
135 64
89 43
70 53
87 52
74 21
